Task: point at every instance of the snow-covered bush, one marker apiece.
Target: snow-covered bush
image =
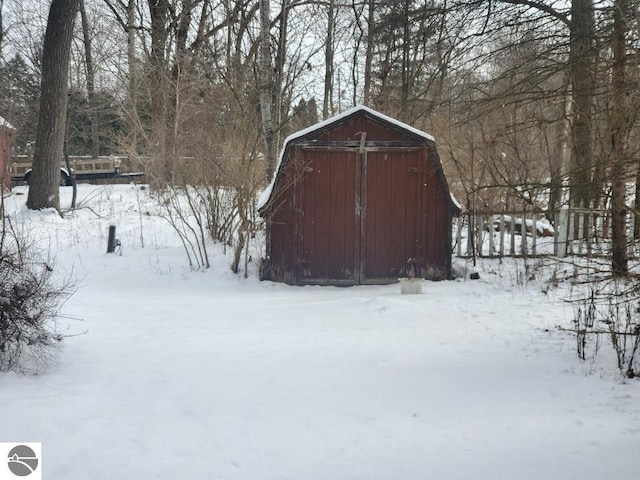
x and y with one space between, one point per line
30 302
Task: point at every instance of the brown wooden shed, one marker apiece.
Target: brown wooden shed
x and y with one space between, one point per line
357 199
6 133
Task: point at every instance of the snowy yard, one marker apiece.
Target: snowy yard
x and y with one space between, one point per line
207 375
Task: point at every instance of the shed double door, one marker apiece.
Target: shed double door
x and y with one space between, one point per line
359 215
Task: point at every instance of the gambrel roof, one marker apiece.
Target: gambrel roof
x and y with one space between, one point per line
265 196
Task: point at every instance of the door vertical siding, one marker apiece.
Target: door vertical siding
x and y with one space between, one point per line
359 200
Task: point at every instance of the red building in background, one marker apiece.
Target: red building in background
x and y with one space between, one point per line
6 132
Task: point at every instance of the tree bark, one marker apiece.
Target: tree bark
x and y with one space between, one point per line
581 66
67 162
133 72
406 67
368 61
131 50
1 29
159 76
327 102
560 155
636 206
265 88
45 176
619 164
91 91
281 56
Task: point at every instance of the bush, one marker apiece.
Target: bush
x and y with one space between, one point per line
611 310
30 303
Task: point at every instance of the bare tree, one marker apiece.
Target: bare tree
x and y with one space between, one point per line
582 71
619 127
44 191
1 29
369 54
327 101
265 88
91 91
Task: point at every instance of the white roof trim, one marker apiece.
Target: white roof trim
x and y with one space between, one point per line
266 194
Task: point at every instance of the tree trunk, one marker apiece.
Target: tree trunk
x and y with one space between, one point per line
636 206
45 177
159 79
560 156
265 88
131 50
327 102
406 67
581 65
279 73
1 30
72 176
91 92
368 61
133 75
619 164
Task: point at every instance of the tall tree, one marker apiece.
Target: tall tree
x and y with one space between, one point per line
409 41
582 72
1 30
369 55
45 178
91 91
159 85
619 163
265 89
327 103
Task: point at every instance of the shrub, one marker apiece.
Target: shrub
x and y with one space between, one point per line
611 310
30 303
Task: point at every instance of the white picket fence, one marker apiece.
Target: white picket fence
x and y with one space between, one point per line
572 231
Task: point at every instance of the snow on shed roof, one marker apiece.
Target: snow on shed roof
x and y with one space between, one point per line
266 194
5 124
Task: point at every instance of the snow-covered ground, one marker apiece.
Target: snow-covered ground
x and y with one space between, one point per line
207 375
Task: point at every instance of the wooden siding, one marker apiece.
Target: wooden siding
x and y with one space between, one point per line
329 224
348 210
393 224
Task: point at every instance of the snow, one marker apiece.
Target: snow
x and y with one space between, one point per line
5 124
173 373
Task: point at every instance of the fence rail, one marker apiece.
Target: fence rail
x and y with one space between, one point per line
20 164
570 231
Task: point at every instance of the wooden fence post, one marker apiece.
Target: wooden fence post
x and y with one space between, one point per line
580 218
588 223
556 231
577 231
459 235
630 229
479 234
491 238
470 233
534 232
502 219
562 238
512 251
523 234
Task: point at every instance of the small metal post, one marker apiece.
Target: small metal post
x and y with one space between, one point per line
111 243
